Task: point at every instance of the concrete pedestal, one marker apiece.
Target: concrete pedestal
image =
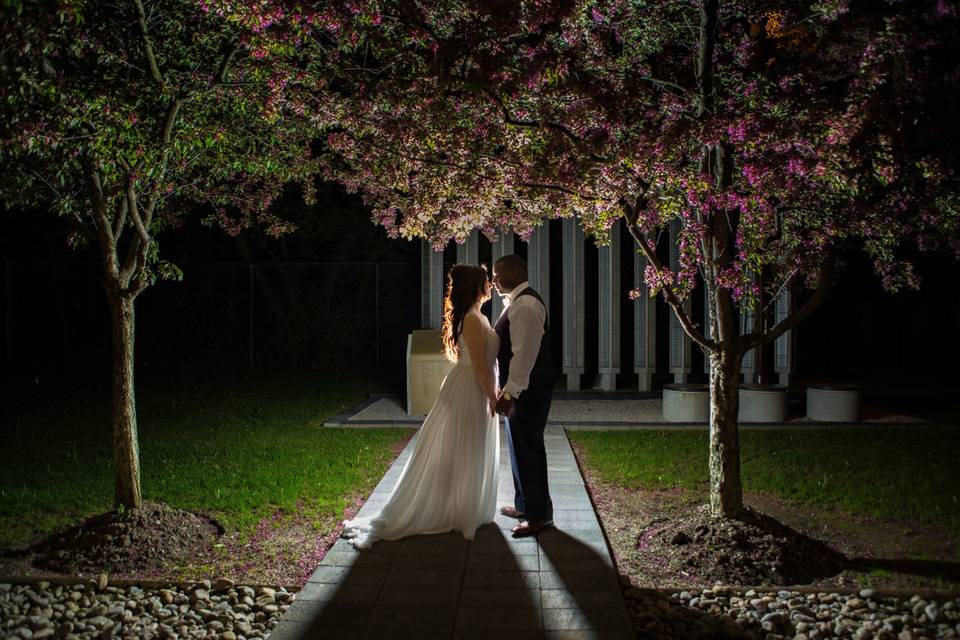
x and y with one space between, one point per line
762 403
426 369
686 403
834 403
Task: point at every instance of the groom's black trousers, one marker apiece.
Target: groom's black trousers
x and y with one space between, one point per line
525 424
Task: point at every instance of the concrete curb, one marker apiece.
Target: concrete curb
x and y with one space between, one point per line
807 589
146 583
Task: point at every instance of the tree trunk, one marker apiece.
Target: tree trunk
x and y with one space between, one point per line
126 448
726 488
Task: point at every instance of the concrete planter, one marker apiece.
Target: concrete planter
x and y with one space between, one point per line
426 369
833 403
686 403
762 403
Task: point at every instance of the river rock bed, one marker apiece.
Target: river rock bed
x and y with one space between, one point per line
102 611
723 612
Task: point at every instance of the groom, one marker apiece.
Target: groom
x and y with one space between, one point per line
526 380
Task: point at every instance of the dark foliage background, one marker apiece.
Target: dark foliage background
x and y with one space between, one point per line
338 295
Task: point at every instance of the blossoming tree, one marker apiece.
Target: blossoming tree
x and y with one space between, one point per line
772 134
124 117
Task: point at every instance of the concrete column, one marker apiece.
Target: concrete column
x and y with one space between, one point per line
469 251
679 341
748 366
431 287
573 302
502 246
707 332
784 348
538 261
609 298
644 327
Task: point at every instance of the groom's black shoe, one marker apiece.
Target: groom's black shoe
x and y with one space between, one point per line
511 512
531 528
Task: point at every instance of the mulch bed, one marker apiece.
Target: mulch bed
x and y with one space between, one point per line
754 550
124 543
665 538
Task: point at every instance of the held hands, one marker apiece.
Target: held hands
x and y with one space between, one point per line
492 405
504 405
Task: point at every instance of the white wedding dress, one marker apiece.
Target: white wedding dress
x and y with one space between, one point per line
450 481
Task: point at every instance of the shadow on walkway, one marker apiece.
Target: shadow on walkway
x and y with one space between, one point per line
438 586
559 585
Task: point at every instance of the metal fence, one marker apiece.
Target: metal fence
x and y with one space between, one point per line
223 316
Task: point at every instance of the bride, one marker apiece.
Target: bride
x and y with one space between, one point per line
450 481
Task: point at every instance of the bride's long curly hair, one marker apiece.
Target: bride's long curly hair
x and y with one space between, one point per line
465 283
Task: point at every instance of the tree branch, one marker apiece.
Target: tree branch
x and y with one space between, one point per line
138 221
668 294
221 76
761 338
106 239
555 187
136 258
508 118
147 44
666 84
705 62
120 218
166 134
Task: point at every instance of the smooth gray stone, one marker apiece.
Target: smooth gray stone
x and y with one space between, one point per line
419 596
403 633
577 579
382 547
366 561
288 630
581 598
441 561
427 617
564 516
498 634
582 525
565 481
478 597
427 578
586 536
502 579
503 563
593 547
516 547
442 544
589 634
328 614
605 618
561 563
349 594
498 618
349 575
580 504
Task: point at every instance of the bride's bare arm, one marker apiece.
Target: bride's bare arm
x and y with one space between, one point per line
475 339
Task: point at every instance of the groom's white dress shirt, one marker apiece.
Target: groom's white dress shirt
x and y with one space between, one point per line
527 317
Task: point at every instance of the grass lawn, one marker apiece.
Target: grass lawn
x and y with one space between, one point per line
901 473
246 453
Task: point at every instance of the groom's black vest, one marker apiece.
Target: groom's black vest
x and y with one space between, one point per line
542 373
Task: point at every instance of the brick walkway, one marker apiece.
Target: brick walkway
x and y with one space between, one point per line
559 585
